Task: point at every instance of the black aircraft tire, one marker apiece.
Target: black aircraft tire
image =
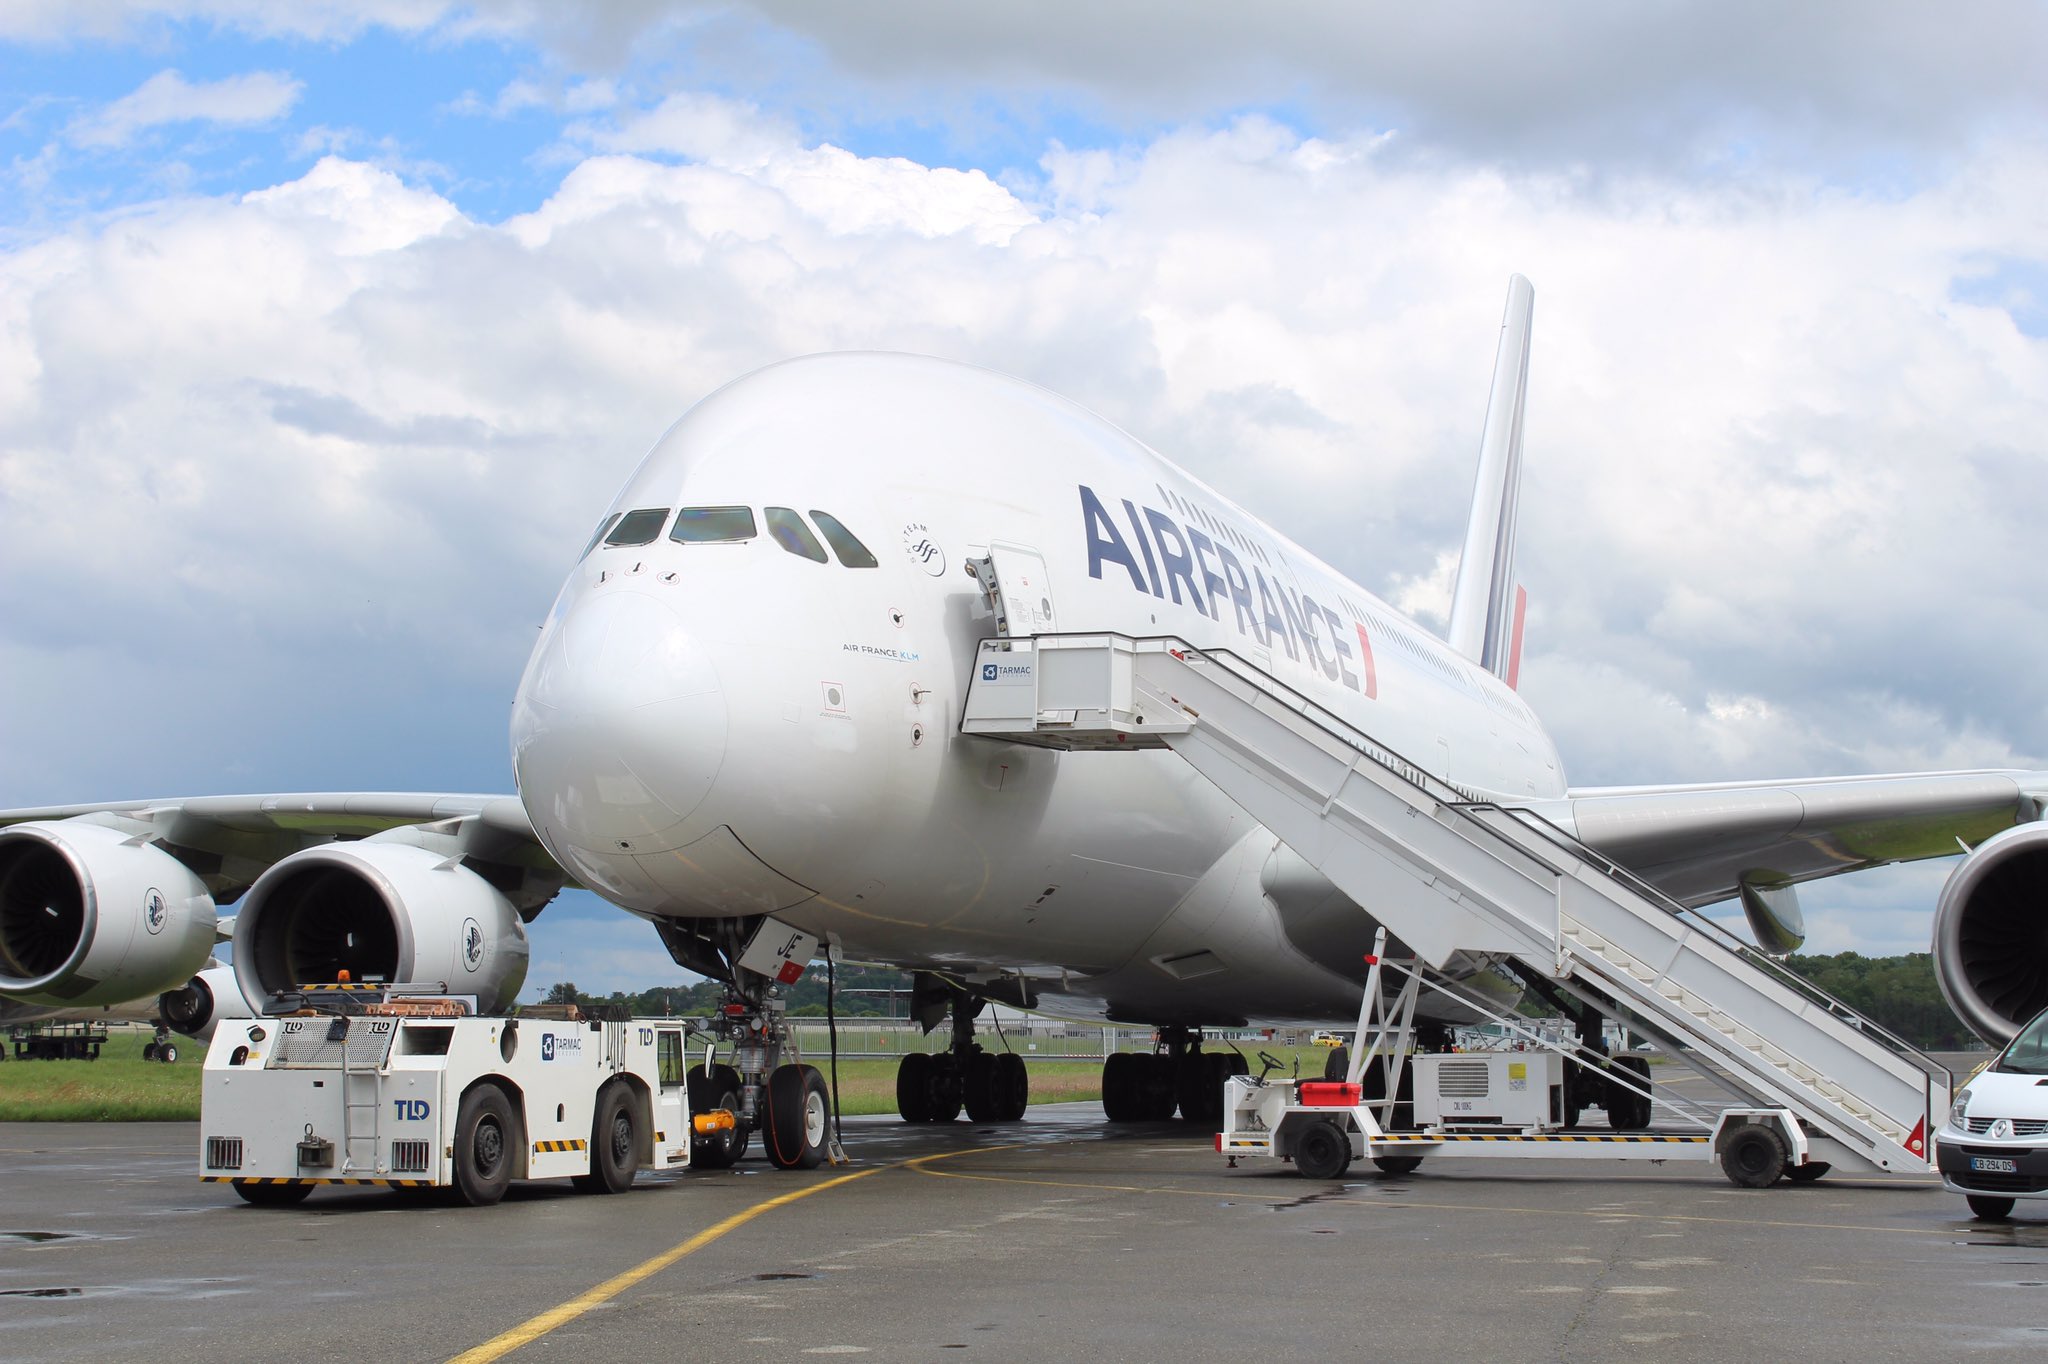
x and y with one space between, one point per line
799 1117
1156 1079
978 1089
1190 1083
1120 1087
1988 1209
708 1093
1754 1156
1322 1150
1013 1087
168 1053
272 1195
943 1088
487 1141
913 1087
614 1141
1634 1108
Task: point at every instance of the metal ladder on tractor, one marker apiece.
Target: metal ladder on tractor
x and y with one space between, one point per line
361 1092
1449 873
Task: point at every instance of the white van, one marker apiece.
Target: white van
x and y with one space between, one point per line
1994 1147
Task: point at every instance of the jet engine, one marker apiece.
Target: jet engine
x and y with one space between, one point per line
90 915
1991 933
204 1001
385 912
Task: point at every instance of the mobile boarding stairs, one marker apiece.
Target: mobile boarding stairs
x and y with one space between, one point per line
1446 874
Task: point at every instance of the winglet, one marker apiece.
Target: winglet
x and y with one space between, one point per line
1485 605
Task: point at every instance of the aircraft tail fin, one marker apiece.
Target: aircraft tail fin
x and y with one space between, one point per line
1487 604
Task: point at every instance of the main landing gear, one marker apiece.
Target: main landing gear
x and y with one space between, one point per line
936 1086
161 1047
1142 1086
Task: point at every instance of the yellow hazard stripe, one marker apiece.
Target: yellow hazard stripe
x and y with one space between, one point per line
379 1183
578 1144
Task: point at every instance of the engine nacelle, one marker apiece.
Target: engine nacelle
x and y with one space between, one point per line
91 916
384 912
1991 933
204 1002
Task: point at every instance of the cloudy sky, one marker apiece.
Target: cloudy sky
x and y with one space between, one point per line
327 329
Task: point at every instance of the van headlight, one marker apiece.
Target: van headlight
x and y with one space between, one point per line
1959 1107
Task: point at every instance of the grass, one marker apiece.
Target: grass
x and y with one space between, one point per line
119 1087
122 1087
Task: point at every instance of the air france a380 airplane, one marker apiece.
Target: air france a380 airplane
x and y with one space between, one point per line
745 707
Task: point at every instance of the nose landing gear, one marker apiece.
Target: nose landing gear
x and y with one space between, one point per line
766 1087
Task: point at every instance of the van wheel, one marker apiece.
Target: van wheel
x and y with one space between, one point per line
1807 1173
1398 1165
1990 1209
614 1141
486 1145
799 1117
1754 1156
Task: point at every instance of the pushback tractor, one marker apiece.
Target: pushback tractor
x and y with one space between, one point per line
401 1088
410 1086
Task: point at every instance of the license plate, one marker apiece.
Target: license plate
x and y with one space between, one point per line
1992 1165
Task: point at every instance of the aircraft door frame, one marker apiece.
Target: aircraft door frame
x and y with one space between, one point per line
1019 590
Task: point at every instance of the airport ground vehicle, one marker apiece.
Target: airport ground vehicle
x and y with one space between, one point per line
1993 1149
1396 1108
404 1088
58 1041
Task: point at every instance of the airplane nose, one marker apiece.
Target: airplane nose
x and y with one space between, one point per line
619 728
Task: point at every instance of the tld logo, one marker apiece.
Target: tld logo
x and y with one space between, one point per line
547 1046
988 672
410 1110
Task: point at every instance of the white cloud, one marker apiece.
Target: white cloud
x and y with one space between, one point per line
1725 84
301 467
167 97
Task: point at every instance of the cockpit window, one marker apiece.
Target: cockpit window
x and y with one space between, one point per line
789 531
844 542
713 525
638 527
609 522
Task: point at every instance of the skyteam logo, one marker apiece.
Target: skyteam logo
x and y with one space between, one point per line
923 549
155 913
988 672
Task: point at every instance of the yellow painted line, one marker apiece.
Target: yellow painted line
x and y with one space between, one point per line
1242 1195
534 1328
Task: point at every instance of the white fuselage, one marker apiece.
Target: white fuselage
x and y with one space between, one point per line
714 729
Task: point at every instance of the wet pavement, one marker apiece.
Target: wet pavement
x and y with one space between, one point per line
1056 1238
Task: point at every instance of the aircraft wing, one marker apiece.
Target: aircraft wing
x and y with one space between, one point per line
231 840
1700 844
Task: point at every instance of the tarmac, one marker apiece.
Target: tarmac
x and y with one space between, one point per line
1057 1238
